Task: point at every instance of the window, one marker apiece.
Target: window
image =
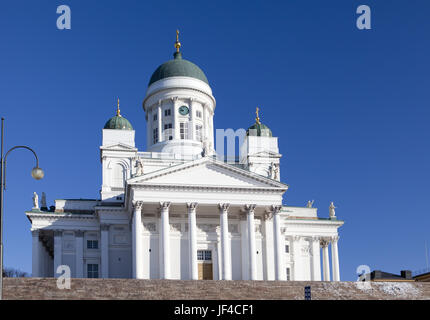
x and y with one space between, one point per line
204 255
183 130
155 117
118 176
168 131
199 129
92 270
92 244
198 114
167 112
288 274
155 136
287 248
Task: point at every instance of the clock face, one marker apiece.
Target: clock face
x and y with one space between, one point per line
184 110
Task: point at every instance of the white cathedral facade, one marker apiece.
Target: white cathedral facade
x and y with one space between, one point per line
176 210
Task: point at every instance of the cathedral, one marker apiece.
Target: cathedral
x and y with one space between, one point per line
179 210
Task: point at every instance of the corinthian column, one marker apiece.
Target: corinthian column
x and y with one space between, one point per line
58 250
35 272
137 240
279 244
316 264
335 258
164 240
192 238
326 263
105 250
251 241
225 242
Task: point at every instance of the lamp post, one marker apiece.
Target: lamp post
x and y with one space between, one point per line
36 173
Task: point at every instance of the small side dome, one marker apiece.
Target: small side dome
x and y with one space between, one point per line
118 122
258 129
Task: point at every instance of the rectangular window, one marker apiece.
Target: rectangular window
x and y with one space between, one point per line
204 255
155 136
168 131
92 270
183 130
155 117
288 274
92 244
198 114
167 112
287 248
199 131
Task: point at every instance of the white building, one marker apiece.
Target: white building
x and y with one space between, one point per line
176 211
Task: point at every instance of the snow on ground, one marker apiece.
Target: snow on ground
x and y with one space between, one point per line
391 288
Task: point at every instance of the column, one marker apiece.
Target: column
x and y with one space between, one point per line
297 270
164 241
225 242
335 258
35 270
137 253
192 129
251 241
79 236
269 248
192 238
58 250
280 272
104 250
244 247
160 123
175 119
316 264
326 263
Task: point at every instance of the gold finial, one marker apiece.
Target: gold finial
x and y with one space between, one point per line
177 43
257 119
117 110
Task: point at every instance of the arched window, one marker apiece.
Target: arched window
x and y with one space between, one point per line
118 176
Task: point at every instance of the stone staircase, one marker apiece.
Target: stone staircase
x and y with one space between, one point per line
46 288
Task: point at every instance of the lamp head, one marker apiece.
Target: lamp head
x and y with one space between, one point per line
37 173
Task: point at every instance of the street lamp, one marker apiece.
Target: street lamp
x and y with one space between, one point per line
36 173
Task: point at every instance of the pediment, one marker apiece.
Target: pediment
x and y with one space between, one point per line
266 153
118 146
207 172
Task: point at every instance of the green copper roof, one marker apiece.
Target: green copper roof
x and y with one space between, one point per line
118 122
178 67
259 129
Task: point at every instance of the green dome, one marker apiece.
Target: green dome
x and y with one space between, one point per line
258 129
178 67
118 122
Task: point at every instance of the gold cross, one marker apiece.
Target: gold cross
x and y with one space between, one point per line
257 119
117 110
177 43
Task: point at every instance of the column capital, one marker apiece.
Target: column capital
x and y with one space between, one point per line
164 205
296 237
316 238
104 226
276 209
224 206
191 205
79 233
137 205
250 208
324 242
334 238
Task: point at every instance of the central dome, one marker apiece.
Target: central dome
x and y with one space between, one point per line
178 67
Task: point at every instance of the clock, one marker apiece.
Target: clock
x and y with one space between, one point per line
184 110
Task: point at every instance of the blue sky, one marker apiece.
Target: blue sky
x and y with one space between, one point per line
350 107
